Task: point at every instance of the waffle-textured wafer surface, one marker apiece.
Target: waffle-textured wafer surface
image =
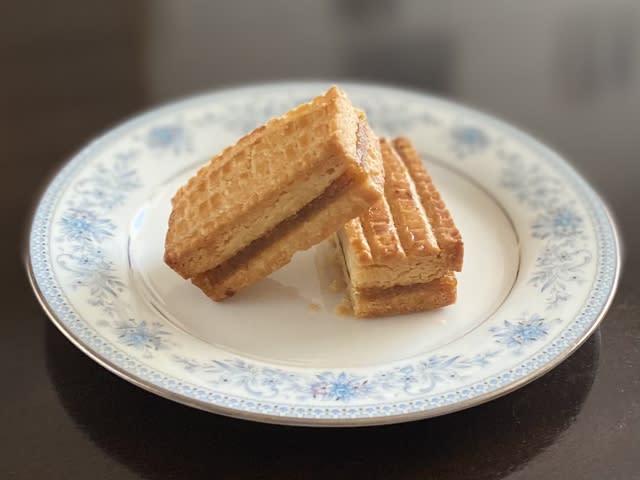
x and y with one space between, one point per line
409 236
266 177
447 234
345 198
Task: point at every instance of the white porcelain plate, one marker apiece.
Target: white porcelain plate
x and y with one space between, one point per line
541 266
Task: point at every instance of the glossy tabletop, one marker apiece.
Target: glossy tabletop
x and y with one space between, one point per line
566 71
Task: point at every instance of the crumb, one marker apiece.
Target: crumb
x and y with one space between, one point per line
336 285
344 309
314 307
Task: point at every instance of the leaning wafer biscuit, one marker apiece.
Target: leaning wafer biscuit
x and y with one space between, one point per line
282 188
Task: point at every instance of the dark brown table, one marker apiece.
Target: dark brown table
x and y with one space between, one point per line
568 72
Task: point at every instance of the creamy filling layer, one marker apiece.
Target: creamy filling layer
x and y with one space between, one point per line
377 293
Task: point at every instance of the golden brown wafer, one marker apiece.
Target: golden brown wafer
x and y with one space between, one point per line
404 246
244 214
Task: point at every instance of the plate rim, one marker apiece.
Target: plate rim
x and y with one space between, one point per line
75 159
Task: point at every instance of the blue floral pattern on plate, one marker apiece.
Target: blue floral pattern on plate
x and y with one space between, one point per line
168 137
142 336
76 265
521 332
468 140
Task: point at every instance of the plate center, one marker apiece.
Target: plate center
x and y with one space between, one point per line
290 318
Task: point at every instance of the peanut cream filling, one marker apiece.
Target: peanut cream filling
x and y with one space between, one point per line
378 293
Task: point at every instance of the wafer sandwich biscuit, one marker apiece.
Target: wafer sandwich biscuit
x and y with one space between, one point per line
282 188
400 255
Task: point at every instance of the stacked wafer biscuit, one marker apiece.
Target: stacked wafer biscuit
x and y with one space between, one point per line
400 256
317 171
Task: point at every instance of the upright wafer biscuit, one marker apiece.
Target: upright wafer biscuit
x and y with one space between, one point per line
406 245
